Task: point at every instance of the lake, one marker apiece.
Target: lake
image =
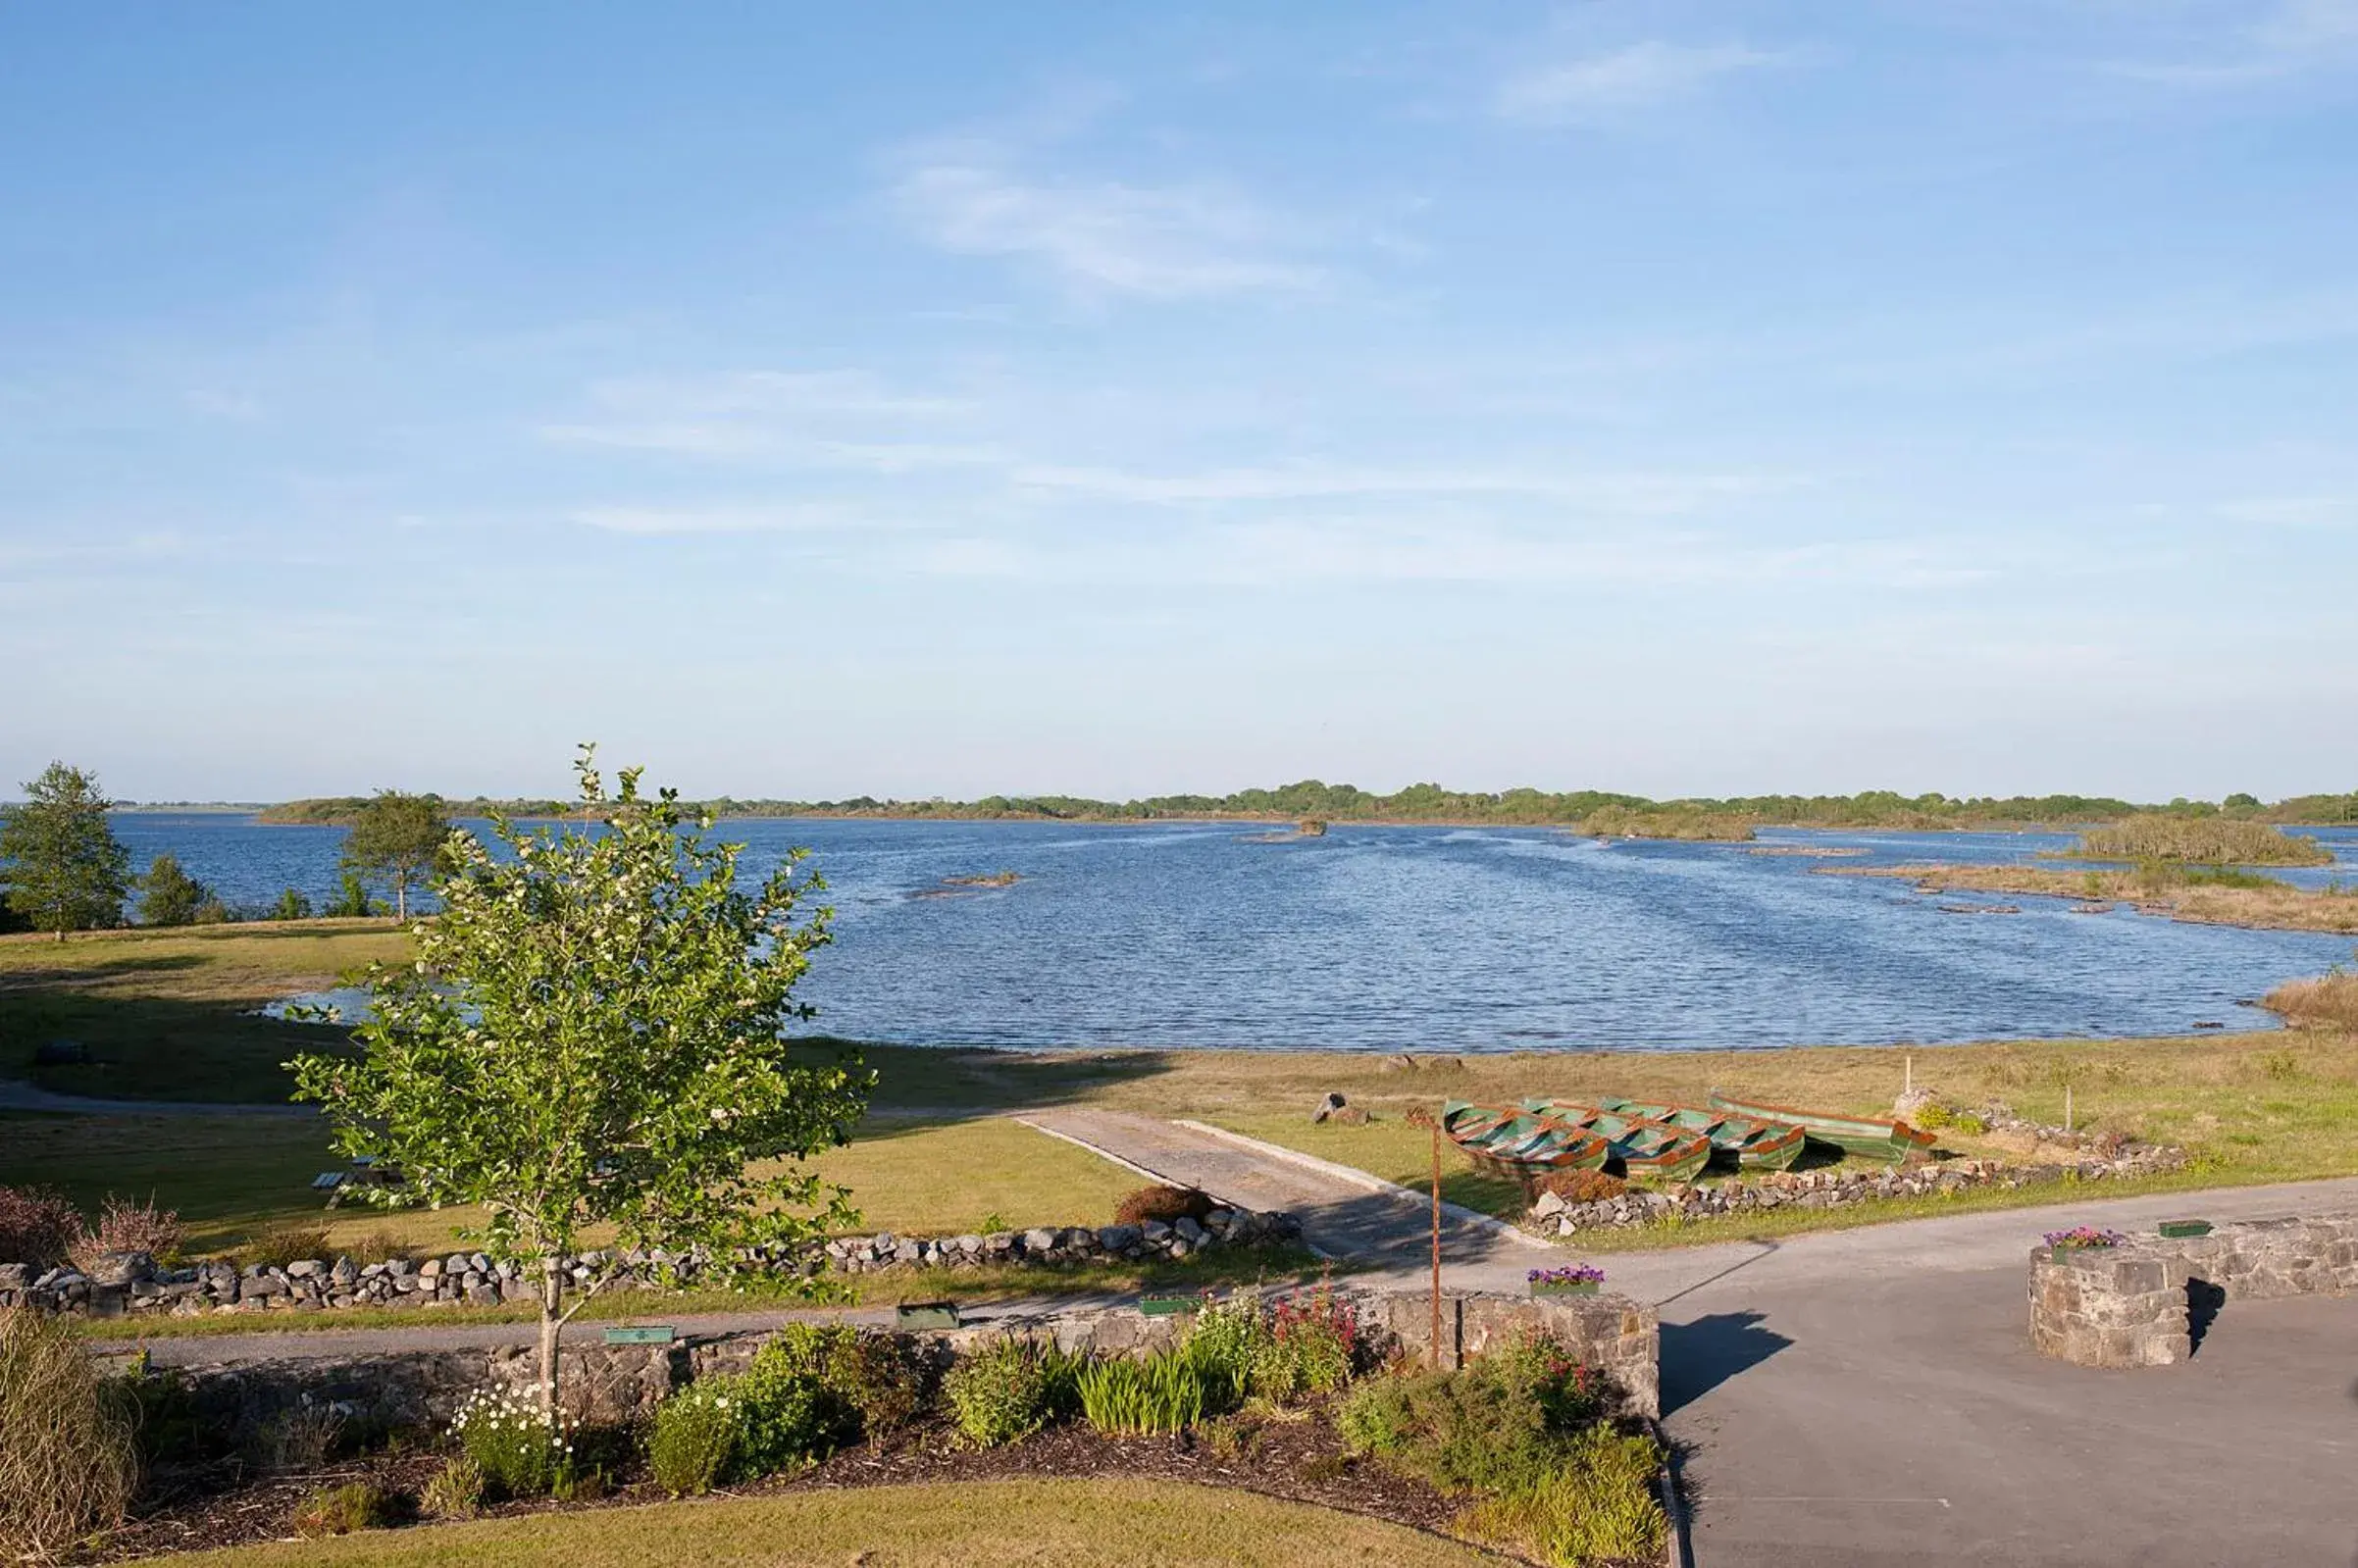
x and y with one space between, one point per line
1424 939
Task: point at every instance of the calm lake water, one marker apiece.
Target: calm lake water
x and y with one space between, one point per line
1410 938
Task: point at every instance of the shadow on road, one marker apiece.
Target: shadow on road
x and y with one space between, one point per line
2203 1302
1698 1356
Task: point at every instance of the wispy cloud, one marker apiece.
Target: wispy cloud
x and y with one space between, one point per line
658 521
1638 77
817 416
2288 39
1631 493
1103 237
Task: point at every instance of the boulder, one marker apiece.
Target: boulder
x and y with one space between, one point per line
1549 1203
1118 1237
118 1269
1327 1107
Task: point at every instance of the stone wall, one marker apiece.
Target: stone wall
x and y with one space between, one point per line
2143 1302
1835 1187
130 1283
418 1389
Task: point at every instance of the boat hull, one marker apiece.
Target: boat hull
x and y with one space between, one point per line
1875 1138
1515 1143
1748 1143
1643 1148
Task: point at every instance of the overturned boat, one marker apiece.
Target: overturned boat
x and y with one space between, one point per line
1876 1137
1749 1142
1643 1147
1512 1142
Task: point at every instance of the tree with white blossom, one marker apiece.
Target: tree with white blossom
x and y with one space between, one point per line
591 1038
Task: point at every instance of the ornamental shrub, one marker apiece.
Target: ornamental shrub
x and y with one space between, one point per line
128 1227
67 1460
878 1383
694 1438
1315 1345
1230 1342
1581 1187
788 1415
456 1490
37 1227
342 1510
1010 1389
1596 1504
1163 1203
1494 1425
1933 1117
522 1451
1167 1392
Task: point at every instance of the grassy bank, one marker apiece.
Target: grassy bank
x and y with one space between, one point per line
2225 897
2327 1003
1110 1522
2201 842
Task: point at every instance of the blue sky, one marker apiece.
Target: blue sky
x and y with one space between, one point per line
812 400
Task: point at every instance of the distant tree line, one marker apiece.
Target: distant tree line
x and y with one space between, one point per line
1430 802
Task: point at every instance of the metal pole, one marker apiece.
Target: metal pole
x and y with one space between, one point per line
1421 1117
1436 1246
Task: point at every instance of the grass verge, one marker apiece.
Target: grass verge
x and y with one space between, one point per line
1110 1522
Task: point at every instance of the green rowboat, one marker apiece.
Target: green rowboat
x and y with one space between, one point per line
1510 1141
1876 1137
1644 1148
1745 1141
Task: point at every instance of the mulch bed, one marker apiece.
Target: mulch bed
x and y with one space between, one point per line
1295 1455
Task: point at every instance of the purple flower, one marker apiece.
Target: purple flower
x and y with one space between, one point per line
2084 1236
1580 1274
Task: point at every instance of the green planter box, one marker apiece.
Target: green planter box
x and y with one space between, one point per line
2180 1230
926 1315
1167 1306
1574 1288
642 1334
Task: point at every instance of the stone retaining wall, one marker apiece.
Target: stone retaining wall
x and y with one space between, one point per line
419 1390
1835 1189
2143 1302
130 1283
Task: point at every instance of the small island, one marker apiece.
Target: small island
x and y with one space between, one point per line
952 886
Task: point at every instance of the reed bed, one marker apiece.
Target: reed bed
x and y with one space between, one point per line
2201 842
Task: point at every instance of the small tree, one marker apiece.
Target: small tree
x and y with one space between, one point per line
170 897
351 897
395 841
291 905
65 868
591 1035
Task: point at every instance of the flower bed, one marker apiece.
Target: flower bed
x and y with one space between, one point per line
1584 1279
1251 1393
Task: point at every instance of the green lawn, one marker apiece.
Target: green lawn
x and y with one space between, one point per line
169 1014
231 1177
1079 1522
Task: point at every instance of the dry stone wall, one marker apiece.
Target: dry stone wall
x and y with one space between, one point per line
2137 1303
131 1284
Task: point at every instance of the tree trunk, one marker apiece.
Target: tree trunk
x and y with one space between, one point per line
552 1291
401 899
